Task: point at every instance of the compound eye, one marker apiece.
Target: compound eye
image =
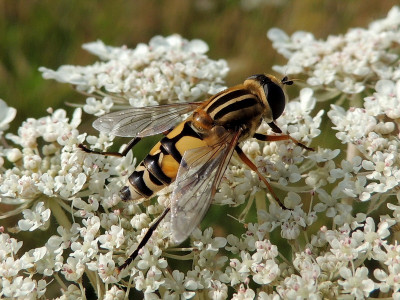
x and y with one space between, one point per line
276 98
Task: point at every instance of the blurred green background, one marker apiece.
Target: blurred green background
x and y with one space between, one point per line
50 33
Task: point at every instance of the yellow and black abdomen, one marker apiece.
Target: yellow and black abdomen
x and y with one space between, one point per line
160 166
231 109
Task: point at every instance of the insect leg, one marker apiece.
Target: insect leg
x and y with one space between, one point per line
282 137
128 147
275 127
144 240
252 166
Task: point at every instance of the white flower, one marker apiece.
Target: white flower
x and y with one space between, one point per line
177 284
91 228
150 283
7 114
296 287
388 280
97 107
348 86
149 260
247 242
84 251
219 291
343 247
386 100
52 128
10 267
265 250
356 284
106 268
139 221
290 220
239 270
392 255
8 246
355 122
14 154
114 294
265 272
244 294
72 292
36 218
23 288
68 185
113 238
46 260
73 269
196 279
204 240
264 296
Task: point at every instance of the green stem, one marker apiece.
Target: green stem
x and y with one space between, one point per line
58 213
260 201
179 257
60 282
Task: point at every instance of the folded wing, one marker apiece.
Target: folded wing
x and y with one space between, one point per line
143 121
198 177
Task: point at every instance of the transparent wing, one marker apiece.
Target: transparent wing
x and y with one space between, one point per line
143 121
198 177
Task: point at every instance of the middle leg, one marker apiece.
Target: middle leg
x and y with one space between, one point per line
253 167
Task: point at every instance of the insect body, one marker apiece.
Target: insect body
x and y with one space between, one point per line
212 124
197 151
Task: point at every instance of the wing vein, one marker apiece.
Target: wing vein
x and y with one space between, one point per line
196 184
144 121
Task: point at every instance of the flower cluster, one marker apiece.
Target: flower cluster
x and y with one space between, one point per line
372 131
164 71
339 220
343 64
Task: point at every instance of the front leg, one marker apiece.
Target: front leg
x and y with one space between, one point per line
282 137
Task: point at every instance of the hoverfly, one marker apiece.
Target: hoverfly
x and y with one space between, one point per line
197 151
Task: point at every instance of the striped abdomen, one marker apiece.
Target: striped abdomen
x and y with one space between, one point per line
160 166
